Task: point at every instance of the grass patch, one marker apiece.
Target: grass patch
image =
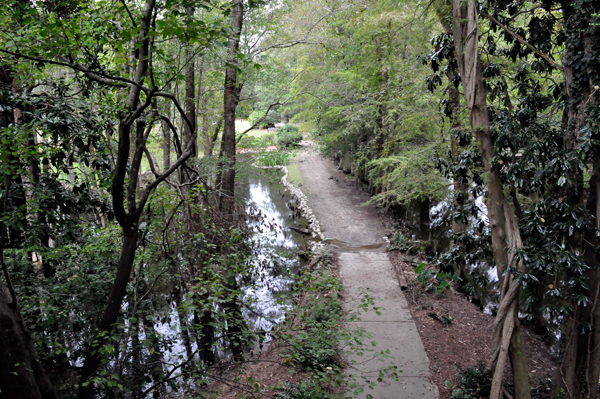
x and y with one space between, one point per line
259 132
294 173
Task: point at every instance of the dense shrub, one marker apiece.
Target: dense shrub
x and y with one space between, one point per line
288 136
249 141
303 390
272 159
472 382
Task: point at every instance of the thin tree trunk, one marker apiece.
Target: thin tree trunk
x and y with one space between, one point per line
189 132
228 143
183 325
230 102
136 359
166 132
128 217
111 312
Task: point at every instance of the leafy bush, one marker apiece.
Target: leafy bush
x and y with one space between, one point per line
401 242
314 349
267 140
287 129
472 382
267 122
288 136
264 141
272 158
432 280
248 142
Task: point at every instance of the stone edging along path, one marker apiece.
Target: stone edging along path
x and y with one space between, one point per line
302 203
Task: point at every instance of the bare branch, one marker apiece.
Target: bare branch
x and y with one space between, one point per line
151 162
179 108
174 130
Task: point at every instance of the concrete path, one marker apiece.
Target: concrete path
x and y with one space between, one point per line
364 266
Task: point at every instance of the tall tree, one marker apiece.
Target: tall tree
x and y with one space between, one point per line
506 341
231 96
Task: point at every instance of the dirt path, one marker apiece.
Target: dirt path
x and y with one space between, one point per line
358 239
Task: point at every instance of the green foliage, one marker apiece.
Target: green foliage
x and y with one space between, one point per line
273 158
288 136
399 241
315 347
472 382
432 280
367 107
287 129
317 338
408 177
535 109
261 121
255 142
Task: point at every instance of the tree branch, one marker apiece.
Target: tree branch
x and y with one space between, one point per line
184 157
174 130
129 13
108 79
181 111
523 41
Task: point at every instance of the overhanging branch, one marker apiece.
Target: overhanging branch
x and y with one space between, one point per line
523 41
93 75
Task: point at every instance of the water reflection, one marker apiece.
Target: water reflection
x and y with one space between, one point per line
275 262
275 257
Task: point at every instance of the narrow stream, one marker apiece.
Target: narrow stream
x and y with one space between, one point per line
276 248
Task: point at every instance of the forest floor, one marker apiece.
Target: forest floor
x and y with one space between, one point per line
456 332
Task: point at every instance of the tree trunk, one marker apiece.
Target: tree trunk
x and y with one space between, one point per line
578 373
21 374
189 132
228 143
503 224
183 324
166 132
230 102
94 356
127 217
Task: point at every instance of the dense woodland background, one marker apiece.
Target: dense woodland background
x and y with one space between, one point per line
474 122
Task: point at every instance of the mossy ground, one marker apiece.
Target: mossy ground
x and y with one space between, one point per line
294 174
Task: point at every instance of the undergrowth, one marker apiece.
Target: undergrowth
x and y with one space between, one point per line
256 142
471 382
399 241
318 341
475 382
